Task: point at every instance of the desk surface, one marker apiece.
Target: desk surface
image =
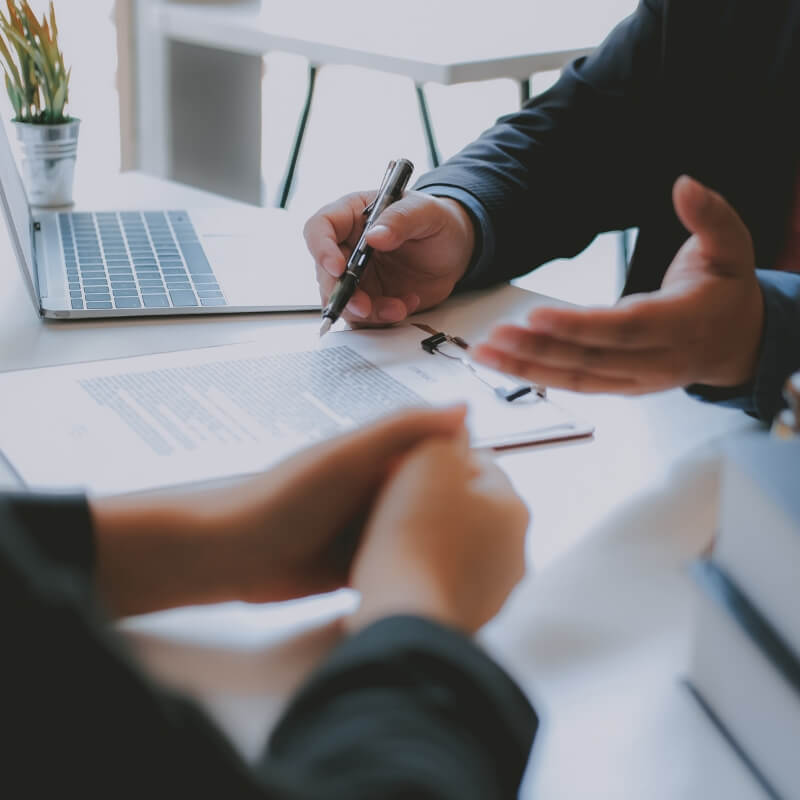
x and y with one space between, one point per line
598 634
448 41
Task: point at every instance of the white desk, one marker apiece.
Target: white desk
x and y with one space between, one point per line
598 635
211 59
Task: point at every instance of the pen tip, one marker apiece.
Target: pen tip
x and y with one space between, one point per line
326 326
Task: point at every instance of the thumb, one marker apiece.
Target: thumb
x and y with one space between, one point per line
414 216
721 235
371 449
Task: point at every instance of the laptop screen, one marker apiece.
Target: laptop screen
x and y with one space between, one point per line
17 211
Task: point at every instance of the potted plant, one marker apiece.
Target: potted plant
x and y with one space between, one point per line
38 85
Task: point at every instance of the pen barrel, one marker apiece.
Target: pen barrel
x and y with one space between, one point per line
340 296
392 188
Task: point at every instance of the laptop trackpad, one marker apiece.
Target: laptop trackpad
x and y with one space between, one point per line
269 270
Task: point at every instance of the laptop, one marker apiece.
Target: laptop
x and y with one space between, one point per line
84 264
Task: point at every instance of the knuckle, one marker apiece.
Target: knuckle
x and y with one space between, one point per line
630 328
397 216
541 345
593 356
310 226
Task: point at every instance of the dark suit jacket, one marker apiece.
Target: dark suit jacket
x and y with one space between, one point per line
404 709
705 87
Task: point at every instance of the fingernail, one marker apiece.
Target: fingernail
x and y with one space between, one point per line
379 230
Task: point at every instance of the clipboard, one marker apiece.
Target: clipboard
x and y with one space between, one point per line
145 422
435 364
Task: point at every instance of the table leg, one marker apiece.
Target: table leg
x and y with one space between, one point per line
624 249
298 140
524 91
433 152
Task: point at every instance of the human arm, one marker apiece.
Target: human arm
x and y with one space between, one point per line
286 533
717 325
539 184
779 353
393 695
445 542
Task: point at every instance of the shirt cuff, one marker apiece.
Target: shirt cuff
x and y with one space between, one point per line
60 527
483 253
779 356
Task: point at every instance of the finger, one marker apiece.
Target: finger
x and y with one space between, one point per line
362 308
358 308
653 364
388 310
494 483
723 237
380 311
333 224
448 459
576 380
385 440
635 323
414 216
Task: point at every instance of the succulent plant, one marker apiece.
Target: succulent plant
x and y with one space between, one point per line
36 80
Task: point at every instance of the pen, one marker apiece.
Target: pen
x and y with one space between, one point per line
391 189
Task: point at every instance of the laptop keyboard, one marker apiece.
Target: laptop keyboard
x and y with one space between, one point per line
133 259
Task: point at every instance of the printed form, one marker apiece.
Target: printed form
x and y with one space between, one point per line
139 423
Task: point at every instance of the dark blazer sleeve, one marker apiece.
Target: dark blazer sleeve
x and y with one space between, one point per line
59 526
779 357
575 162
84 717
409 709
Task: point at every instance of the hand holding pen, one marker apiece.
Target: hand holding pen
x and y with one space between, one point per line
391 189
422 245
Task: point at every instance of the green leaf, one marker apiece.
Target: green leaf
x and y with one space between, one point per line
15 95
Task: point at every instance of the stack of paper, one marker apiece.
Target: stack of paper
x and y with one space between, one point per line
746 663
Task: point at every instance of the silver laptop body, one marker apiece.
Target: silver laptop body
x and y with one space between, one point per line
80 265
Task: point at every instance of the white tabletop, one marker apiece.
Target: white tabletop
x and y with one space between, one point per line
597 632
446 41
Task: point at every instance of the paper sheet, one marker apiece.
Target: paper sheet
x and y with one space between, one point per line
132 424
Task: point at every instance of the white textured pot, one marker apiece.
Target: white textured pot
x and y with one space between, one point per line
48 161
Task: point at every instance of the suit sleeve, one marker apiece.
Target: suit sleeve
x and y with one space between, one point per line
84 716
59 526
575 162
779 357
410 709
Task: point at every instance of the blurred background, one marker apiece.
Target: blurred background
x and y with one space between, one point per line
107 41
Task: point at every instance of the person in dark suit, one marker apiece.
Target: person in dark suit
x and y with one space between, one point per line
407 706
700 88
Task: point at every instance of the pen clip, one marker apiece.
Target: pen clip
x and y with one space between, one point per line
368 210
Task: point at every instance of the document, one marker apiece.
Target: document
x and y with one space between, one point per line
133 424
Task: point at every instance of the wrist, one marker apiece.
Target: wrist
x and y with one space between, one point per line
409 592
741 368
159 554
